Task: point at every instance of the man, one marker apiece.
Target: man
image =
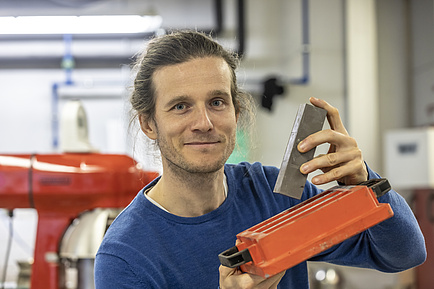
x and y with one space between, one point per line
187 100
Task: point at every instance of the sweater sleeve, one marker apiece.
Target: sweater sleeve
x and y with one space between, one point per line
393 245
111 271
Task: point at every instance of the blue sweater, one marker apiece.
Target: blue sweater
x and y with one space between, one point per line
146 247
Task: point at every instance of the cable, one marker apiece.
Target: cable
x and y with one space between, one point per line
8 248
22 244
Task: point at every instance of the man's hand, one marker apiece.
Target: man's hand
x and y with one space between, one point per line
233 278
344 161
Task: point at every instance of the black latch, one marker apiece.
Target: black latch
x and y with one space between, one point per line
233 258
378 186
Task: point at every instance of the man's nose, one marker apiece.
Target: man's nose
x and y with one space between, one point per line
202 120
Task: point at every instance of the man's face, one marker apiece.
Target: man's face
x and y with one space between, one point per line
195 120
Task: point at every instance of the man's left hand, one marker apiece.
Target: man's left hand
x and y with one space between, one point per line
344 161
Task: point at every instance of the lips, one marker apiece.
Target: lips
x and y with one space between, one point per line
202 143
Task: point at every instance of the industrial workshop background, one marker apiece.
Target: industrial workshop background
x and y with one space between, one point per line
374 60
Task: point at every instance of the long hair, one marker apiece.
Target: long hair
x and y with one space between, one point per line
176 48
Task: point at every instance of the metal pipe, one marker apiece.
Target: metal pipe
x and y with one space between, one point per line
67 64
241 27
304 79
218 6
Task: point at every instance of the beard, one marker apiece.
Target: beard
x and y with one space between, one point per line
177 161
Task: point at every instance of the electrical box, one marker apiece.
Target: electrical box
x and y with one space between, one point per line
409 158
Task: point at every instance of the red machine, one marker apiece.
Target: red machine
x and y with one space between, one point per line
423 202
60 187
307 229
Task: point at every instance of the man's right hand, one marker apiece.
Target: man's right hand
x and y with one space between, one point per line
233 278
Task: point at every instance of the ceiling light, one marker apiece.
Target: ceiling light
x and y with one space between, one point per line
113 24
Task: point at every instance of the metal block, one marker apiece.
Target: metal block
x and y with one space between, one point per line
291 181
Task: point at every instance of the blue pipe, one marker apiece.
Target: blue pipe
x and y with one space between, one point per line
54 116
67 65
68 59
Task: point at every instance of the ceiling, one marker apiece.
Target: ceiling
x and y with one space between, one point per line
178 9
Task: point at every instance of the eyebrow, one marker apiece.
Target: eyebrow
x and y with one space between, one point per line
177 99
219 92
186 98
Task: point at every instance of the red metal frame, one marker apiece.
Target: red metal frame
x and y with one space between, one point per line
424 210
60 187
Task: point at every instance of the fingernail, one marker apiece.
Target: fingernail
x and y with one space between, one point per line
301 146
304 169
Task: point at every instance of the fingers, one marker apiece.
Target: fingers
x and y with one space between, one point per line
226 271
344 161
348 172
343 167
277 279
336 139
333 117
233 278
331 160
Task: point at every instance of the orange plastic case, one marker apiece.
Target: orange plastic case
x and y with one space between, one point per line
307 229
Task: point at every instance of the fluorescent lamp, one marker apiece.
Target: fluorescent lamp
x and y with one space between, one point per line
79 24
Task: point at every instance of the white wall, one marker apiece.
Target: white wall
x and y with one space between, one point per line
26 107
394 86
422 54
326 68
273 47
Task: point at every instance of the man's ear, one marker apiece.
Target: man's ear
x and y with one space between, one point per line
148 127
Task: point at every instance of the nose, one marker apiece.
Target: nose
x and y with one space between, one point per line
202 121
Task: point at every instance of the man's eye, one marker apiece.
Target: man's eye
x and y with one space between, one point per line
179 106
216 102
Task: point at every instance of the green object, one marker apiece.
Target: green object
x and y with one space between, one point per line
241 150
68 62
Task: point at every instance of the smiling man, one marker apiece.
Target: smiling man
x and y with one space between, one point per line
187 100
195 127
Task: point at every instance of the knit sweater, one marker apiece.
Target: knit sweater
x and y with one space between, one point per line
147 247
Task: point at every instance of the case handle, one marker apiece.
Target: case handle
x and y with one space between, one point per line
233 258
378 186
